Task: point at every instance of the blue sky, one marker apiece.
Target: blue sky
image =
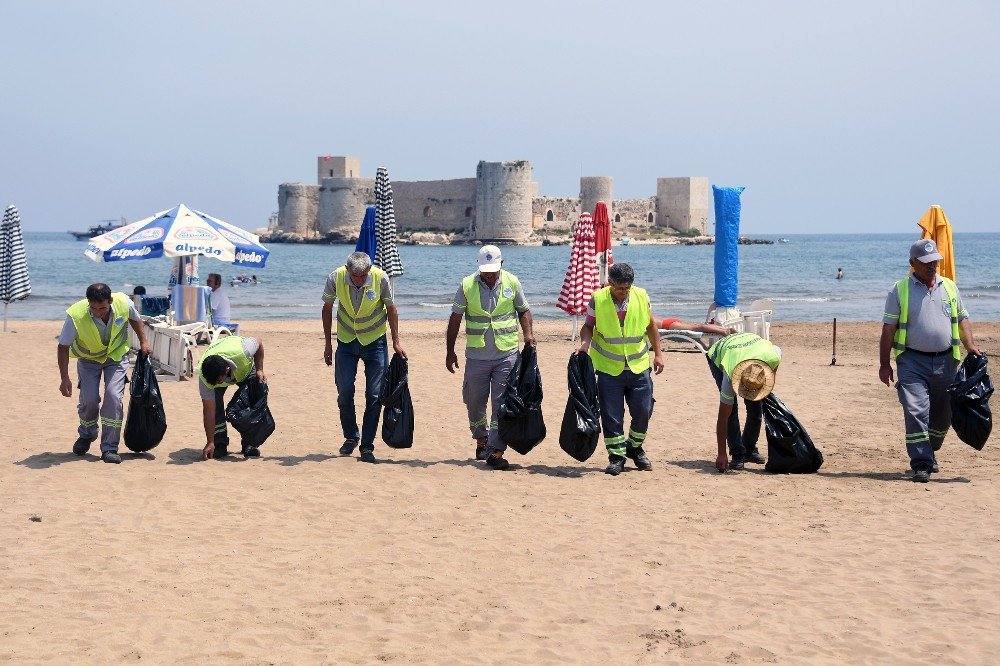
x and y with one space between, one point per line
850 116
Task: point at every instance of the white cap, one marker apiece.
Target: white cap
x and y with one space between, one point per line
489 259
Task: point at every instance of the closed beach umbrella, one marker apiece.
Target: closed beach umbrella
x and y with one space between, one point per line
366 238
581 275
602 241
935 225
14 282
386 252
179 232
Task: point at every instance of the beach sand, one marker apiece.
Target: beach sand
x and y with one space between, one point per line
303 556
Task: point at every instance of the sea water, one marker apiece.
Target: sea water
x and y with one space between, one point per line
799 276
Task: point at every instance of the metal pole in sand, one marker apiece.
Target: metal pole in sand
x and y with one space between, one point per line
834 361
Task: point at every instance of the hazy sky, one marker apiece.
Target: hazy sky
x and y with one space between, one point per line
836 116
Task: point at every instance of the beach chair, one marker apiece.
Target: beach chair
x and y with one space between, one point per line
172 354
694 338
756 319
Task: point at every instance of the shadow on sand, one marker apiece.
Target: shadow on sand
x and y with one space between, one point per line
49 459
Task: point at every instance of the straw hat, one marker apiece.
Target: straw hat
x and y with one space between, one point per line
753 379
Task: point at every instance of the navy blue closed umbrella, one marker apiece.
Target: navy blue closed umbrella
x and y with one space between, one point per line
366 239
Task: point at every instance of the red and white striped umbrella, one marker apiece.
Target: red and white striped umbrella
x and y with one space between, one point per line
602 241
581 276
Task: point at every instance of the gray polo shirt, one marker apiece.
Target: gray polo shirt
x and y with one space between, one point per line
357 293
929 318
488 299
250 347
68 333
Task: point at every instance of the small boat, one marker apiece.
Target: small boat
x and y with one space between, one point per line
782 240
104 227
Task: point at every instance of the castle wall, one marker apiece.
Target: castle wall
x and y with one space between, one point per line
435 205
682 203
632 213
503 201
565 212
342 203
337 167
297 208
594 189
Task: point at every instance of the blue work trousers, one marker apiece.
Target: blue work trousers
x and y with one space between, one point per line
741 444
375 356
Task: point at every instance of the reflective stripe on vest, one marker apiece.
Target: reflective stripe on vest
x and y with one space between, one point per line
503 319
230 347
88 344
616 344
903 291
368 324
732 350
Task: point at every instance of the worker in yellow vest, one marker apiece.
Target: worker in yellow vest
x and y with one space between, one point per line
493 304
744 365
619 333
227 362
923 323
96 334
365 305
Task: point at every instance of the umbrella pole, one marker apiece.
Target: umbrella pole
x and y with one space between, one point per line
573 333
5 316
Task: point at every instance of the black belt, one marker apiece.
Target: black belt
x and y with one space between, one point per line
931 354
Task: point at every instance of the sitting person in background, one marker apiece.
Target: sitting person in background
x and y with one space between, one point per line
673 324
221 314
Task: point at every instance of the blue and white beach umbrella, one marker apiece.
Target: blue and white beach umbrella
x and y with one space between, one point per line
179 232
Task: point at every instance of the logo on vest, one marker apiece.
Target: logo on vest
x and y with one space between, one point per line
370 294
508 292
119 321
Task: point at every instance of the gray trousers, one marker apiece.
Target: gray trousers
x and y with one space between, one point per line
115 375
485 380
923 391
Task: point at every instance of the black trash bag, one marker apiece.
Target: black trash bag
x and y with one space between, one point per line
520 421
397 412
581 424
970 402
249 413
790 450
146 422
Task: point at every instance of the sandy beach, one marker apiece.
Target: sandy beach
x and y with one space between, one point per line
303 556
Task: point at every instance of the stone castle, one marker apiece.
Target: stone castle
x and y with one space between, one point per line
500 205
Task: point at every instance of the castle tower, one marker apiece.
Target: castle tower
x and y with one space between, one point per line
337 167
342 203
682 203
594 189
297 207
503 201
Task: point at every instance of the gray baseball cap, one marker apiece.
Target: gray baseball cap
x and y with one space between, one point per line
925 250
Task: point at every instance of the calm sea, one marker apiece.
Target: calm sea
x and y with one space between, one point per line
798 276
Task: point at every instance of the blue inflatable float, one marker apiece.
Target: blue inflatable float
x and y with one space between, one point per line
727 236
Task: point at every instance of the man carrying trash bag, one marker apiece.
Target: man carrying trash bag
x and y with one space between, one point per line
923 322
227 361
96 334
619 333
743 365
493 303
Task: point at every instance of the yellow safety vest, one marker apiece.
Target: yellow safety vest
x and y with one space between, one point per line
230 347
615 343
903 291
732 350
503 319
88 344
367 324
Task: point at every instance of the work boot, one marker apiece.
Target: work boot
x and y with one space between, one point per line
251 452
755 458
348 447
497 461
640 459
935 469
616 466
368 457
922 475
736 464
221 451
81 445
111 457
481 452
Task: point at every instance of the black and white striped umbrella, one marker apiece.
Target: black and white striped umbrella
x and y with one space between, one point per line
14 282
386 252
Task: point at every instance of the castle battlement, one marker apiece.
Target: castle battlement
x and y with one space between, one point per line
500 204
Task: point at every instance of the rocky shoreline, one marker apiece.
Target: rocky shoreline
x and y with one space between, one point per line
440 238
